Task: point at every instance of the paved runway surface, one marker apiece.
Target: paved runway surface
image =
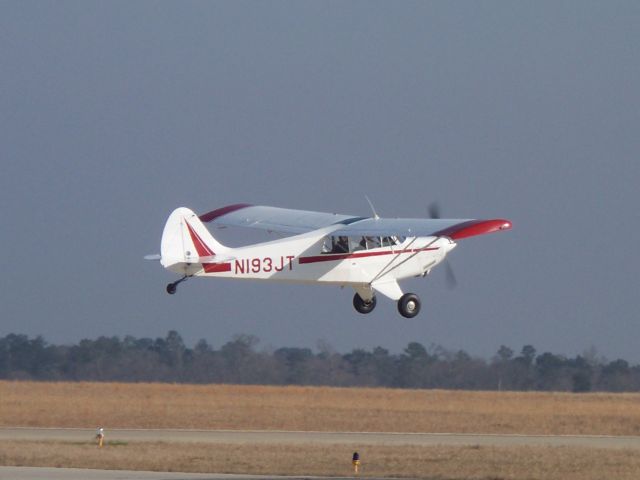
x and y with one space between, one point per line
352 438
240 437
35 473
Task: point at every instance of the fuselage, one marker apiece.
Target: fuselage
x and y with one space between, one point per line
306 259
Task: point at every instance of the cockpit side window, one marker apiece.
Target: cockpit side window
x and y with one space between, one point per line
327 245
335 245
344 244
373 242
357 243
398 239
340 244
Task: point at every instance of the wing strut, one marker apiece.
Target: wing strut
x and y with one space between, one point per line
388 268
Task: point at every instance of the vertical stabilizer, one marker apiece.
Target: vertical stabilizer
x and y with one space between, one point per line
186 240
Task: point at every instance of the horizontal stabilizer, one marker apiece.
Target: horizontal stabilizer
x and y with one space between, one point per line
153 256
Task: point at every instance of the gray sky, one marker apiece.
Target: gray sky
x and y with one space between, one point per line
114 113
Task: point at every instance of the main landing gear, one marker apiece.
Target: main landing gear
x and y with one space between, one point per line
363 306
408 305
173 286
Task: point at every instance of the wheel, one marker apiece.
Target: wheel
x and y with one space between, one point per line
409 305
361 306
171 288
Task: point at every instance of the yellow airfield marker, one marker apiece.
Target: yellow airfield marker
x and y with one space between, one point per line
355 461
100 436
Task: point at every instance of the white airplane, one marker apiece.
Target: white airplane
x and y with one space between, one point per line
369 254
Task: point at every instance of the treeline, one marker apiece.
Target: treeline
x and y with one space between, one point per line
240 362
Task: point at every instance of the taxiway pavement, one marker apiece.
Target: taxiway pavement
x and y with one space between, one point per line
351 438
42 473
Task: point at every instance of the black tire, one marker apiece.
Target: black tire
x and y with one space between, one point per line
171 288
409 305
361 306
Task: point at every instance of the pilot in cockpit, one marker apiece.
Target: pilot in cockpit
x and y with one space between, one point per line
341 245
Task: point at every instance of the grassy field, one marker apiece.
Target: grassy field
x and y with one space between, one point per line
442 463
115 405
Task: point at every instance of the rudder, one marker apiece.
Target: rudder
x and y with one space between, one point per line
185 240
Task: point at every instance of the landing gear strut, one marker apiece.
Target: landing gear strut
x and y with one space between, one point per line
363 306
173 287
409 305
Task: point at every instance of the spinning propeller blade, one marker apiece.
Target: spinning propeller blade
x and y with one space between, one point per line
434 212
449 275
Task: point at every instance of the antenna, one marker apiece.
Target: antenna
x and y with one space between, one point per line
375 215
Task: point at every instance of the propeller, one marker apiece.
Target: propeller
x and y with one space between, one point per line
434 210
450 276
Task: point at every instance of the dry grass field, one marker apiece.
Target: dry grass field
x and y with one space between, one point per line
442 463
113 405
117 405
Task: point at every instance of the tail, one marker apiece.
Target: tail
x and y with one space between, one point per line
186 241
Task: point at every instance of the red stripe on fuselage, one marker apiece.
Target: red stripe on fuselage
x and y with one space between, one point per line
329 257
216 267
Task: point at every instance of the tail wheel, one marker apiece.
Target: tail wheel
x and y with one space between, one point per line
363 306
409 305
173 287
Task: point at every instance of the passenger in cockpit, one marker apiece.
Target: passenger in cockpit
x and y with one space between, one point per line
341 245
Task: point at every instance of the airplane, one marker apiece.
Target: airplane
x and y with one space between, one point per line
368 254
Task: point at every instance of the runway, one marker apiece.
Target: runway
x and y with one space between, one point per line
351 438
40 473
356 439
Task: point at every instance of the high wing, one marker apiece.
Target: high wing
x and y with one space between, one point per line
423 227
274 219
301 221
